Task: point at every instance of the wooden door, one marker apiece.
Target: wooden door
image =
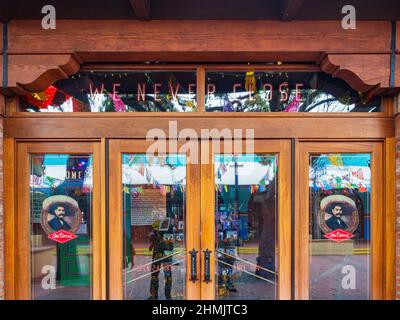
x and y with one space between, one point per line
154 221
58 223
339 220
246 220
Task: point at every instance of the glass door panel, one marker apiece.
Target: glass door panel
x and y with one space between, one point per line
60 222
154 223
61 188
339 228
340 215
246 226
154 206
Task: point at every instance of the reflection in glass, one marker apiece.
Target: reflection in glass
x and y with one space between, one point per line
245 218
154 221
340 206
61 239
117 91
236 91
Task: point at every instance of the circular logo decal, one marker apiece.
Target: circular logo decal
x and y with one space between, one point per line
60 213
338 212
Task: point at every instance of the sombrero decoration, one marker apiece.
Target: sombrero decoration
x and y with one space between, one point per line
350 212
73 213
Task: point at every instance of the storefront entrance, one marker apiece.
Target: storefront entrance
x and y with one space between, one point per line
203 225
282 219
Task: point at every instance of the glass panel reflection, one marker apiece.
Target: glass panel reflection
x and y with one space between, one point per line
241 91
245 217
154 200
117 91
340 206
61 239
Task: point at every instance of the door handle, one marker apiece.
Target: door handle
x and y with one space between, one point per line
193 265
207 277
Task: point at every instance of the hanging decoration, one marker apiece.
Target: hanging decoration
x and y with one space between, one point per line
119 105
44 181
142 169
162 190
78 106
365 97
338 180
132 160
250 82
221 170
228 106
42 99
294 105
358 174
345 99
336 160
262 188
362 189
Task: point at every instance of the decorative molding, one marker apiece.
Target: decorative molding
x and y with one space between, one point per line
363 72
34 73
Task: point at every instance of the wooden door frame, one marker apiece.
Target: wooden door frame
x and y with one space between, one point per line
282 148
17 218
302 249
115 230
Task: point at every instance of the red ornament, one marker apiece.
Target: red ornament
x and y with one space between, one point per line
42 99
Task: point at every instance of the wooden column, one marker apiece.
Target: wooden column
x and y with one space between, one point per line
397 189
2 107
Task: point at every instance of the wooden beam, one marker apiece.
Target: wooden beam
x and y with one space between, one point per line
194 37
268 126
289 9
141 9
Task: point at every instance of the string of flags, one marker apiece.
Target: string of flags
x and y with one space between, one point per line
251 188
340 179
221 170
138 191
338 184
